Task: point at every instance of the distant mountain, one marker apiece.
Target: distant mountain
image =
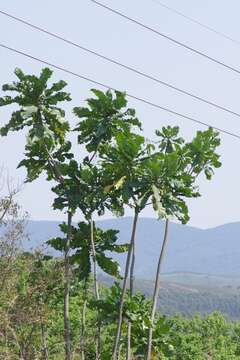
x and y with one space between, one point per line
213 251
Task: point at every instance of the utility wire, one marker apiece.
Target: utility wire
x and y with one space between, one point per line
146 27
124 66
173 112
204 26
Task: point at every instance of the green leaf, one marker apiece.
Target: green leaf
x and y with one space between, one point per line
108 265
120 100
45 75
28 111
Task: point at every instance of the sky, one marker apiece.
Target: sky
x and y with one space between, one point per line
93 27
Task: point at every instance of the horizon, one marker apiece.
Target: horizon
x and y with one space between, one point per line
141 217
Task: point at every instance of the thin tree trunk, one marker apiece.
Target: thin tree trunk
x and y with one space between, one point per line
119 352
129 330
124 288
20 350
83 327
96 290
129 352
59 178
82 340
94 262
67 337
6 342
44 342
156 290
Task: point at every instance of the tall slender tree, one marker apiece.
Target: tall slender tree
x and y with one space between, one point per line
102 122
103 119
46 148
122 163
178 166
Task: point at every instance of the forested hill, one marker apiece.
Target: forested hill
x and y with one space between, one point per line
212 251
191 293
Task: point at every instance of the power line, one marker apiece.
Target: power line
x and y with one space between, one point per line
146 27
115 62
173 112
206 27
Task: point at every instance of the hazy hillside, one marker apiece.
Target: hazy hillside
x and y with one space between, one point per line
201 271
190 293
213 251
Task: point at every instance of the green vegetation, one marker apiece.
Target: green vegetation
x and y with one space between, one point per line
31 319
56 308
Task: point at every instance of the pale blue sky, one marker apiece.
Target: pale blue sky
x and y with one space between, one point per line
93 27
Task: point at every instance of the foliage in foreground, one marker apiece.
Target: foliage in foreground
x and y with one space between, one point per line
31 319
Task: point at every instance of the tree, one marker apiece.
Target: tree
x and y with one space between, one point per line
174 171
121 162
103 123
80 245
12 225
12 233
46 144
26 309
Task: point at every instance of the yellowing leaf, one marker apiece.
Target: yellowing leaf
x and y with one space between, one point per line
108 188
118 184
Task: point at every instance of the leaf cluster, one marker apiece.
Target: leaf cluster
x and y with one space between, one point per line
105 116
105 242
39 112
